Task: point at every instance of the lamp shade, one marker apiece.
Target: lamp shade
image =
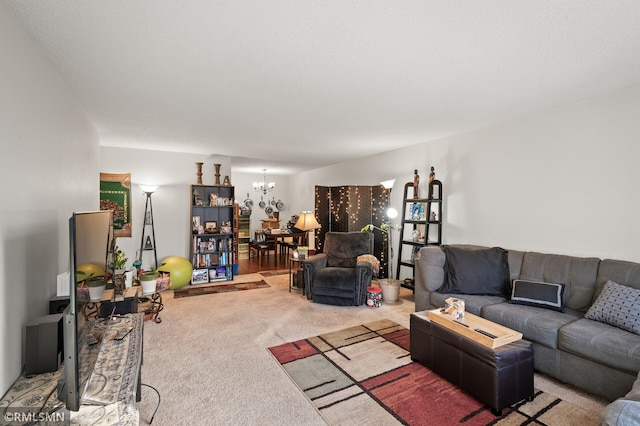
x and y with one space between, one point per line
307 221
149 189
388 184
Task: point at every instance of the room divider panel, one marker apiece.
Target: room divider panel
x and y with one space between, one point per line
348 209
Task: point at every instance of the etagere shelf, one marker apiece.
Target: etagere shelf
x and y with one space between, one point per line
421 226
213 221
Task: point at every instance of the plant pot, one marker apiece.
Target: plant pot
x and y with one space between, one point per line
148 283
96 288
390 290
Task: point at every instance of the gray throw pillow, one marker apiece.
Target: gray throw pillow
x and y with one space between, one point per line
539 294
617 305
476 271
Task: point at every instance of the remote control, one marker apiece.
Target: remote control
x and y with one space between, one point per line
486 333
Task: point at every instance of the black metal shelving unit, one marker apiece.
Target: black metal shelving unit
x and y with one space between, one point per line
423 215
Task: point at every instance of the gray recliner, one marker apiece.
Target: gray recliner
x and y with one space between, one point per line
335 276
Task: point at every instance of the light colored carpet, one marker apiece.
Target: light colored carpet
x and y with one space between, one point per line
209 359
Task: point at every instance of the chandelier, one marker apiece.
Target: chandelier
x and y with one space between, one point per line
263 186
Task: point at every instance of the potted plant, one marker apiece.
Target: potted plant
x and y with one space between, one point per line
148 281
121 274
390 287
119 259
96 286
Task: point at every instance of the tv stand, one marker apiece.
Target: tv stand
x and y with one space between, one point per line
113 386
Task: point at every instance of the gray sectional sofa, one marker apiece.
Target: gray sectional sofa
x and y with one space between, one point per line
593 355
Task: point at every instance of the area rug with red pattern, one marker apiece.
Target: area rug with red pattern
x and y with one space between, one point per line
217 288
365 375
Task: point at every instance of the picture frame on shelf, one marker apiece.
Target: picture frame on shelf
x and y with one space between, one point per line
226 228
213 199
417 211
200 276
212 275
211 227
195 220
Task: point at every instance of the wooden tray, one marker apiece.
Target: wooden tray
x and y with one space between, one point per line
107 295
467 326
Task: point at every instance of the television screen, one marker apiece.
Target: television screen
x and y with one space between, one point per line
90 236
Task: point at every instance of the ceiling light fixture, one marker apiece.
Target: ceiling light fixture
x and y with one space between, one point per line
263 186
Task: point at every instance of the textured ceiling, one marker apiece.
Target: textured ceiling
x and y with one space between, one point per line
313 83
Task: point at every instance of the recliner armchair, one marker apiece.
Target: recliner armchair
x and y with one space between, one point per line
335 276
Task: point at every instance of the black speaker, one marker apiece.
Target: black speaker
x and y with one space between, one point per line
43 345
57 304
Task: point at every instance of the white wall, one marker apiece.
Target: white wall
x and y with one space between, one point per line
562 181
48 168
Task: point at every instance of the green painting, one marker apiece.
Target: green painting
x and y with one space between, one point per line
115 194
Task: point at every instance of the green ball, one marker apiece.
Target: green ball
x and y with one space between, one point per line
88 270
180 270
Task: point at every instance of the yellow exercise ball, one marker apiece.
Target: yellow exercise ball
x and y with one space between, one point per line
88 270
180 270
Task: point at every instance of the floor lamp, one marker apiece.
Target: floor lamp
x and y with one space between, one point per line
150 243
390 214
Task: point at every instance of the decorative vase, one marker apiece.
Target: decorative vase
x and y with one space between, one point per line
128 278
199 173
226 181
148 283
119 280
390 290
303 252
217 166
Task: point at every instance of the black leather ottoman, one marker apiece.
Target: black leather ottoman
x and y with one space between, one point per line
498 377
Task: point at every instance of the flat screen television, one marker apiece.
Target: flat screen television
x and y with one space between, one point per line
90 237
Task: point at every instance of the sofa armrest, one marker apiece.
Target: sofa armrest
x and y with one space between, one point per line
310 266
364 274
429 274
625 410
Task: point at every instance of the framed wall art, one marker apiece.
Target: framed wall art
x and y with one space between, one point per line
115 194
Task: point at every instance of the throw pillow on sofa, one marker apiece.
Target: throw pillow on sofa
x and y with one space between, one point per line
476 271
539 294
617 305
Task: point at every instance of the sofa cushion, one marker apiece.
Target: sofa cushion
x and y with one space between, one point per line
536 324
617 305
472 303
621 271
577 273
602 343
343 248
542 295
482 271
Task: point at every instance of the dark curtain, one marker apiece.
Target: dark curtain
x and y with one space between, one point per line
350 208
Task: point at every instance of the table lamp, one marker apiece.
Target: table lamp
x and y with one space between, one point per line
307 222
